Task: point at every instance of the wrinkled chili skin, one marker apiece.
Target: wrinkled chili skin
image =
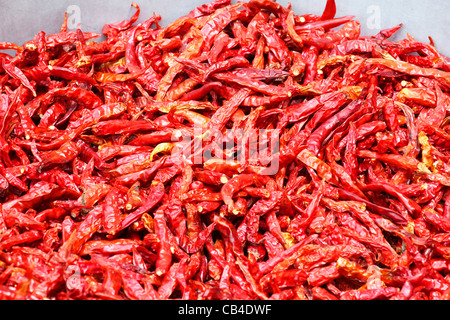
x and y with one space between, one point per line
138 166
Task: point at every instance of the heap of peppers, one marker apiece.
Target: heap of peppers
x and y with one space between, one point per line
96 205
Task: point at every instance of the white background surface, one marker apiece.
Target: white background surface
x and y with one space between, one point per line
20 20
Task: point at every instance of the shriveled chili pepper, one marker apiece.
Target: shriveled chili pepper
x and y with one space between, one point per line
141 166
16 73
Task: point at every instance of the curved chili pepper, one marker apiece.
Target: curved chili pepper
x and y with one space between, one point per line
16 73
111 211
140 166
27 236
84 231
398 218
156 196
237 183
407 68
113 28
9 45
256 85
330 10
66 153
315 140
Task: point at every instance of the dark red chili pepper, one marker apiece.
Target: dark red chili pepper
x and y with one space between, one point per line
84 231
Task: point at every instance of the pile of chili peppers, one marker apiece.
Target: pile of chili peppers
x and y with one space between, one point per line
95 203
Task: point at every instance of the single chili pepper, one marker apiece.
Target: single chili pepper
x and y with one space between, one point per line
284 279
391 189
349 31
86 97
268 266
310 55
326 112
234 62
25 237
238 183
16 73
255 85
260 74
259 60
164 255
290 26
52 115
350 160
298 112
14 218
38 192
319 24
66 153
9 46
153 138
323 275
330 10
399 161
111 211
68 74
52 213
260 208
12 179
156 196
84 231
424 96
372 206
266 5
323 169
320 293
369 294
410 69
316 138
109 247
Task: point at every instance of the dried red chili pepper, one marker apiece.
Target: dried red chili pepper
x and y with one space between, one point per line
139 167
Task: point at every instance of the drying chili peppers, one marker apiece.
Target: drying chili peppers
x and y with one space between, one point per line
243 151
